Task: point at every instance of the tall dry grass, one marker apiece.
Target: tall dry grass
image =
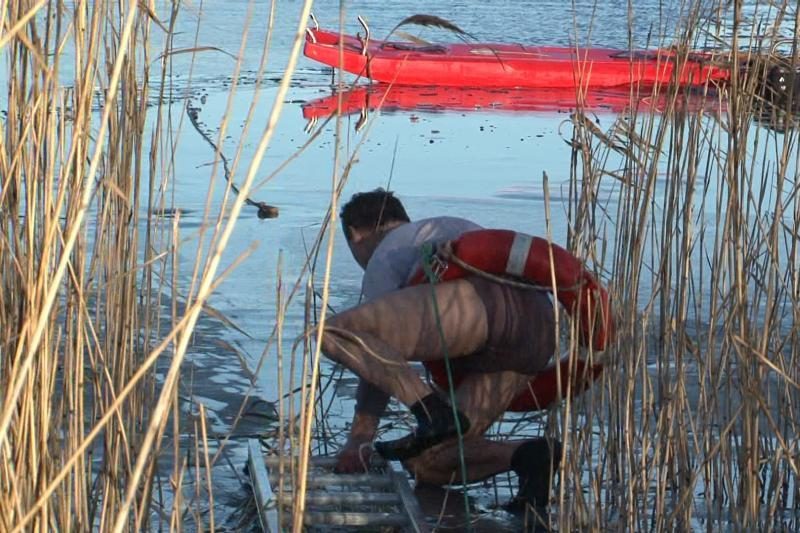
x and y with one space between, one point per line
692 215
72 322
86 157
694 219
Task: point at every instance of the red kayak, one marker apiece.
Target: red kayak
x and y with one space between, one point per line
389 98
505 65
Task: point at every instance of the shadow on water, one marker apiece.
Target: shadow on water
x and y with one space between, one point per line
216 375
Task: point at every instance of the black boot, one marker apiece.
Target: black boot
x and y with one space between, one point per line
435 424
534 463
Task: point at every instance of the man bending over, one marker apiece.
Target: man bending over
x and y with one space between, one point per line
495 335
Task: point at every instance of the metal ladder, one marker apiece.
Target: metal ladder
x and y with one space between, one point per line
377 500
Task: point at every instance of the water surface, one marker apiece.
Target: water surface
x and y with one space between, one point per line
486 165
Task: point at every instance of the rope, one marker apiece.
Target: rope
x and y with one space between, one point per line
445 253
428 254
264 209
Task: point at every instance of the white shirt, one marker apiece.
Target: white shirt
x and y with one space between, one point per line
398 257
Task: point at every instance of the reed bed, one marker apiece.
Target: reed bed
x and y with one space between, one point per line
90 356
690 216
75 300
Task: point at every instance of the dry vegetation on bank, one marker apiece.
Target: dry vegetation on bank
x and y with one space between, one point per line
693 215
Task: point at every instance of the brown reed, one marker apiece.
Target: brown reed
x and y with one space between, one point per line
82 151
691 217
694 424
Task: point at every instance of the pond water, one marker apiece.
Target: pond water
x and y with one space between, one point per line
483 164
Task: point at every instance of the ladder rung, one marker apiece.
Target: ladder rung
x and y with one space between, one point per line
336 518
344 498
325 480
322 461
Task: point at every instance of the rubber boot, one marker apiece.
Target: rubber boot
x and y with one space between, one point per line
435 424
534 463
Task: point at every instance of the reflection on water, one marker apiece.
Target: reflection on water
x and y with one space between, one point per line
487 166
366 98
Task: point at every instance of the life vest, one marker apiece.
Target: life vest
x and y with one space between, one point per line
516 255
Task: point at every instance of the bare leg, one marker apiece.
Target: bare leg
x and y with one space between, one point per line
391 373
376 340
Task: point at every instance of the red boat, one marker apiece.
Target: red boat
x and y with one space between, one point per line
505 65
390 98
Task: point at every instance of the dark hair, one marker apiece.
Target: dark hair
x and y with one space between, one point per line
371 209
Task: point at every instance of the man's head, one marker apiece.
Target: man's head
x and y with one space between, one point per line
367 217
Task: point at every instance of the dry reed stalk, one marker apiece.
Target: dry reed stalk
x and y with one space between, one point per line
311 356
80 316
206 280
207 465
701 395
279 321
71 284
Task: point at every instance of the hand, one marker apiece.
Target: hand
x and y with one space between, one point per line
354 457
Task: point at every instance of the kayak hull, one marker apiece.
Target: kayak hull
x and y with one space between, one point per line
506 65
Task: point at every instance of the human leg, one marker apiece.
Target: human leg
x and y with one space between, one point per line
483 458
484 397
520 337
483 325
377 339
478 324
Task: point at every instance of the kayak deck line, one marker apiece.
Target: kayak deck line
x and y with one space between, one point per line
380 498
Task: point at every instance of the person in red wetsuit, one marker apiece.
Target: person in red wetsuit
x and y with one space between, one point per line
496 336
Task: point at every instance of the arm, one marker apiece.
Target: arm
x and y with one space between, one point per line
370 400
370 404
